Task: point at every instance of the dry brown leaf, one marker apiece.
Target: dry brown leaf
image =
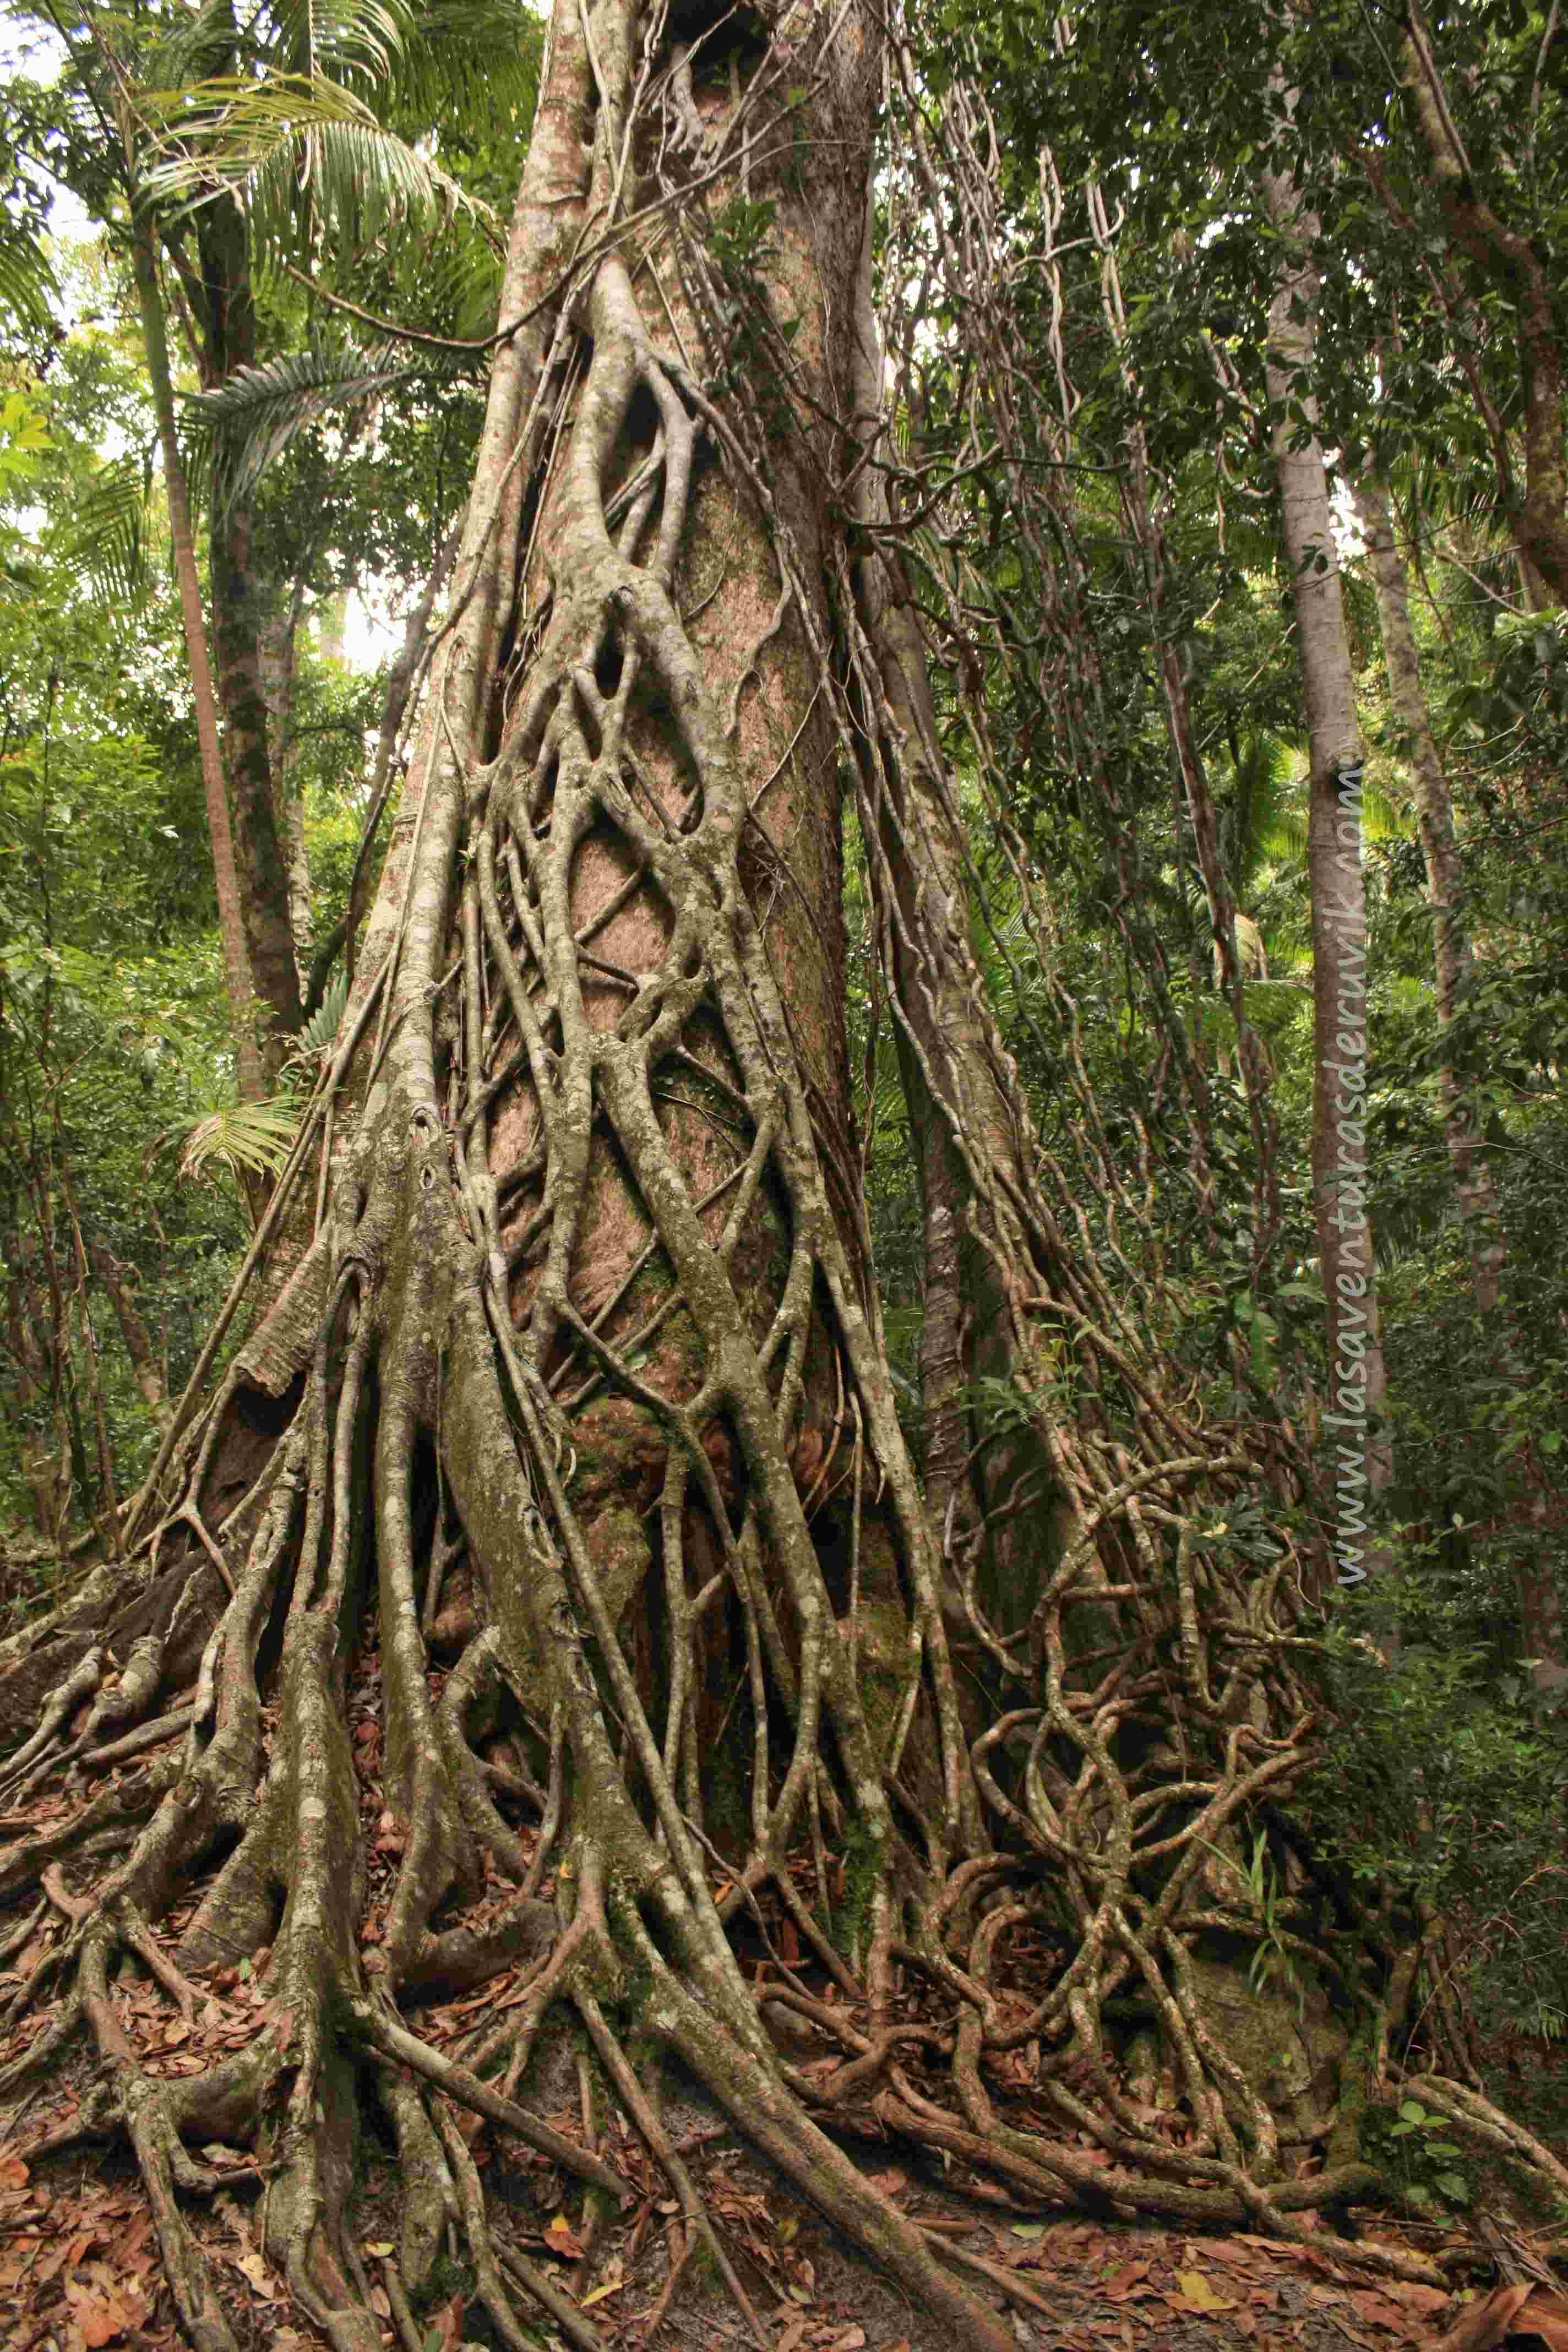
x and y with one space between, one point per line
260 2277
103 2314
1121 2283
1485 2324
13 2173
1197 2294
1545 2316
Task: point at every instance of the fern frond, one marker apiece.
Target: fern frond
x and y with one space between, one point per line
321 1028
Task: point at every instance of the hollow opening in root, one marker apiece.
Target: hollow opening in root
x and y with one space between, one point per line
607 666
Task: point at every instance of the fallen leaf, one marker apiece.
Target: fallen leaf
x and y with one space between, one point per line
562 2238
1487 2323
260 2277
13 2173
102 2315
1546 2315
1198 2296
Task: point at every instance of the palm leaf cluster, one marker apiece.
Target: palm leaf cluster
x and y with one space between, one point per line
259 411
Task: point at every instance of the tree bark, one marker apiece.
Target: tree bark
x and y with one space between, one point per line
228 332
1357 1382
276 648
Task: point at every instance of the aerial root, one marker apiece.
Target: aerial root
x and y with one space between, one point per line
394 2042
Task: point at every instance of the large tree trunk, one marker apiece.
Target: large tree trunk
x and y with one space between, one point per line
1357 1386
569 1372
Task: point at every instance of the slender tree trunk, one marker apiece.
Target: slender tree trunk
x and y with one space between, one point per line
238 615
136 1338
958 1113
1540 1615
1356 1383
231 926
1148 534
277 648
1444 877
45 1460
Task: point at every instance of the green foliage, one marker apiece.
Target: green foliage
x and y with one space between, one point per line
259 411
247 1138
1454 1776
1413 2151
1272 1962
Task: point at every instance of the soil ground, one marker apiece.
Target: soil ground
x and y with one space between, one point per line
79 2269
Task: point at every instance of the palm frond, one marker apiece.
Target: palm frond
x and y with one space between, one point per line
255 414
321 1028
247 1138
1266 818
343 39
472 54
27 281
1384 818
105 531
293 139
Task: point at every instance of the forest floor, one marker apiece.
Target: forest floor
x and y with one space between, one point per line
80 2268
